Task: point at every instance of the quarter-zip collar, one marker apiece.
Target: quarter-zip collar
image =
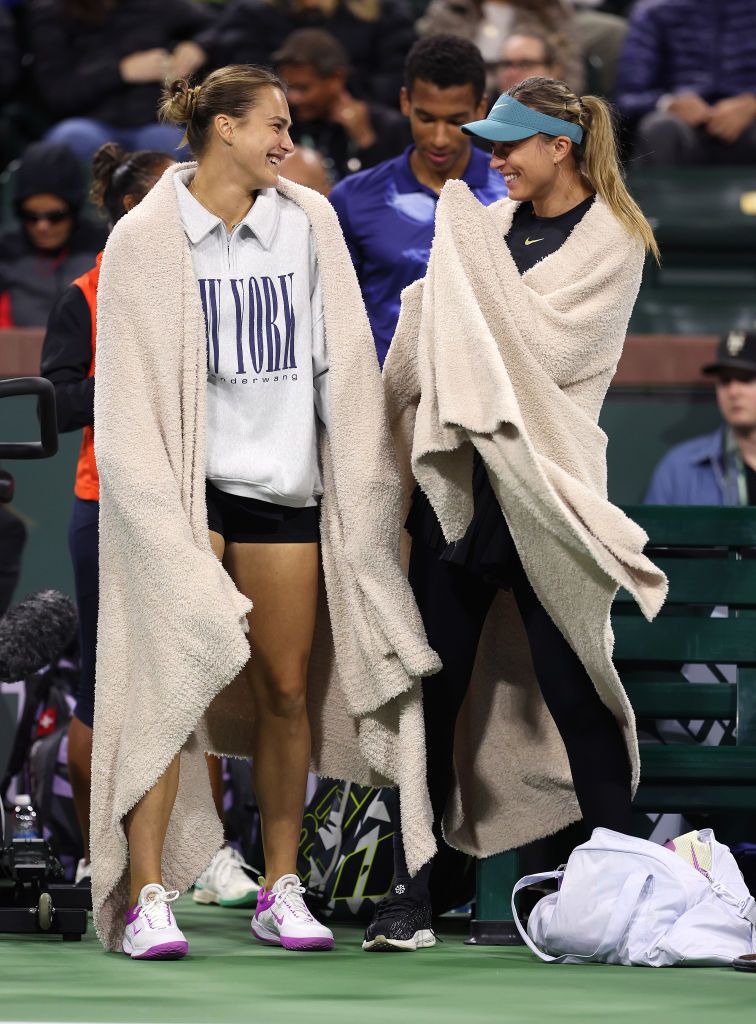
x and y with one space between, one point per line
261 221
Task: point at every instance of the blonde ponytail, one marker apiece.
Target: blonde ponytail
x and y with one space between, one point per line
596 155
602 169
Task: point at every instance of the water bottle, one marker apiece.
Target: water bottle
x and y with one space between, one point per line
26 818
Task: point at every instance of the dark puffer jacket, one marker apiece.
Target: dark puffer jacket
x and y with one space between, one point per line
32 280
77 62
708 48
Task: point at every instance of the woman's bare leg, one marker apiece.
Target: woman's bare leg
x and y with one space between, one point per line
146 826
214 764
80 775
147 822
215 771
282 580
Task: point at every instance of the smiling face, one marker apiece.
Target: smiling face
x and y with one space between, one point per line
436 116
531 167
257 144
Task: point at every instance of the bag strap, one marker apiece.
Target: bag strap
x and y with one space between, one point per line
524 883
745 908
632 887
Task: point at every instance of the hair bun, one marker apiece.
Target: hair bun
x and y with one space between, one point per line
106 161
179 102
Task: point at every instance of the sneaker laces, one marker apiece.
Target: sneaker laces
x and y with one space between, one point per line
156 910
231 863
393 904
292 898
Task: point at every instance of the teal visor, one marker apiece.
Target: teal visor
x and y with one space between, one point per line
510 120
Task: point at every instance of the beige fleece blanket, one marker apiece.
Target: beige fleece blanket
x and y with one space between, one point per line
172 626
517 368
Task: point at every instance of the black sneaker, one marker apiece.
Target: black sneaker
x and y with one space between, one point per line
402 923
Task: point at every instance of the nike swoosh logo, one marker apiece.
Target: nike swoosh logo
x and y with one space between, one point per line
265 903
137 931
532 241
279 919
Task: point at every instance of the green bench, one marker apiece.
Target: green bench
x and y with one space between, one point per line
702 552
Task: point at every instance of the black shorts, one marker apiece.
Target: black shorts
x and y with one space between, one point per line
249 521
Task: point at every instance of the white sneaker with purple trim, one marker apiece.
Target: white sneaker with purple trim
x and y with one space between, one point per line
151 930
282 918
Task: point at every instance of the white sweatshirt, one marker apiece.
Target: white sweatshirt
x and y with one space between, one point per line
266 357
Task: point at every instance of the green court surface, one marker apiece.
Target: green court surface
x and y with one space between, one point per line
229 978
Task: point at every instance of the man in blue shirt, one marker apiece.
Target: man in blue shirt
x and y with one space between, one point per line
718 468
387 213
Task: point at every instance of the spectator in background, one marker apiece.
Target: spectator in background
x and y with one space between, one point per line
10 59
350 134
687 78
306 167
55 242
101 65
488 23
10 71
717 468
526 54
387 213
601 36
376 34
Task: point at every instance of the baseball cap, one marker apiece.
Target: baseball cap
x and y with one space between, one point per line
735 351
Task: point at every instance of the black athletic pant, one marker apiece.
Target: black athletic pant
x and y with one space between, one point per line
454 603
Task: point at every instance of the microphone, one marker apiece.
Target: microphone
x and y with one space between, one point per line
35 633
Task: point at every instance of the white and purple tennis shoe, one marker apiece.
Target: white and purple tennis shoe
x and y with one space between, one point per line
151 930
282 918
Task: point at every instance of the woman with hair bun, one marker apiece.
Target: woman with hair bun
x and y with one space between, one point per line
120 181
516 551
244 451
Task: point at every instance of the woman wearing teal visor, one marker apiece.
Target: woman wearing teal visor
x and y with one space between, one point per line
495 380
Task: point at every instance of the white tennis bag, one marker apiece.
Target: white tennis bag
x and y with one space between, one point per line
628 901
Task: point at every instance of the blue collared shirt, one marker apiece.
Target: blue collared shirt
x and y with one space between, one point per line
387 218
702 471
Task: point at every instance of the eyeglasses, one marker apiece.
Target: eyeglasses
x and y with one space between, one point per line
527 65
51 216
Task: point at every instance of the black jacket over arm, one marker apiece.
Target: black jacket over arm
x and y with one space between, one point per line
76 62
66 358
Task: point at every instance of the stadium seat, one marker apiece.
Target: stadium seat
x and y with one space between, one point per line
704 219
689 310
